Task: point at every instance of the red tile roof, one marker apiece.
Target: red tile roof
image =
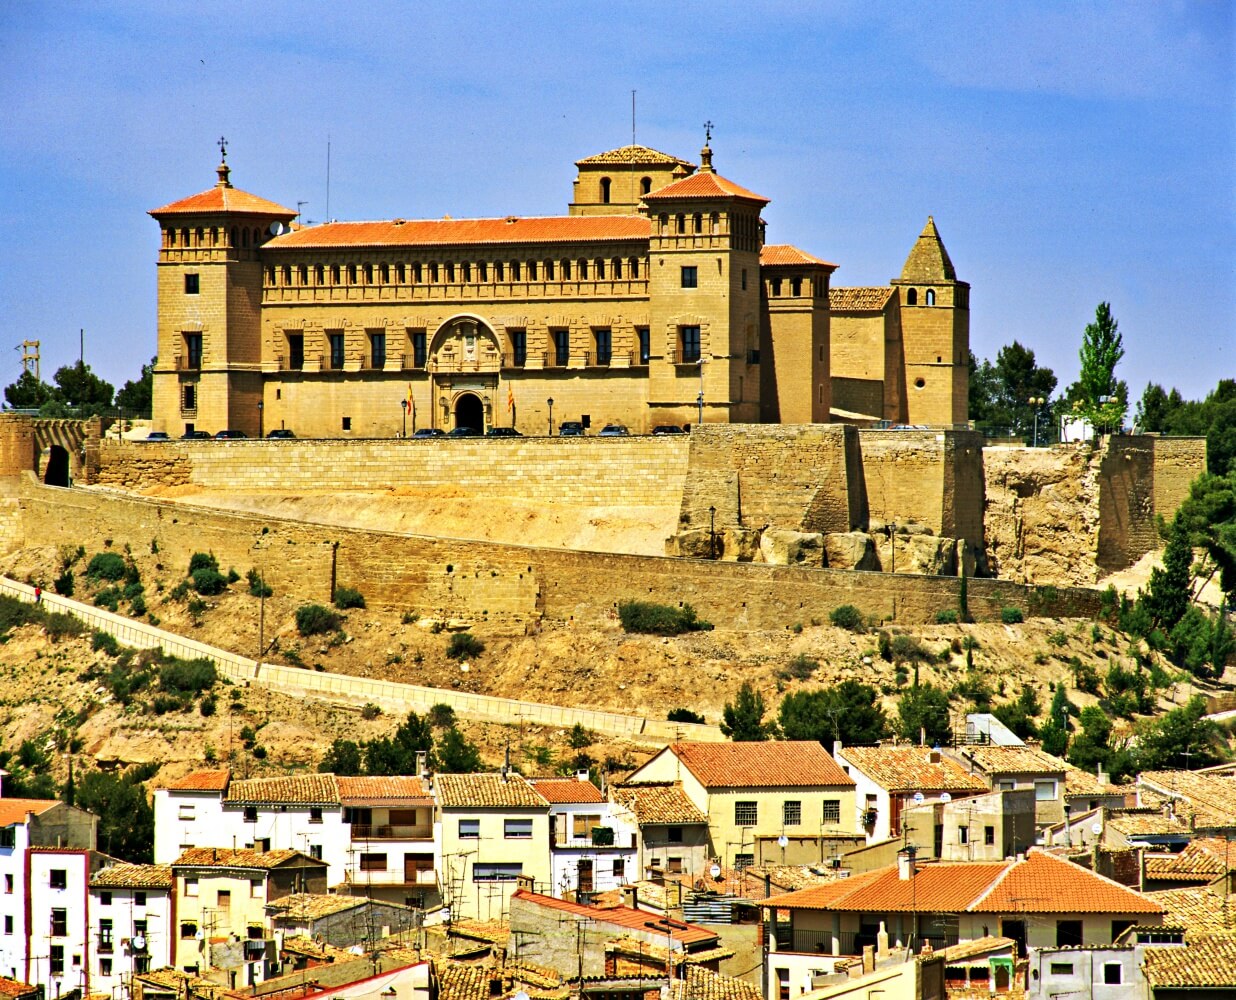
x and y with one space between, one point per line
467 232
704 185
566 790
129 876
227 857
16 810
202 781
771 764
618 916
658 803
401 788
638 155
1043 883
909 768
487 791
779 254
1203 859
863 299
16 988
301 789
1206 963
223 199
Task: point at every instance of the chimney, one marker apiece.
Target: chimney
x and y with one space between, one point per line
581 775
837 747
506 763
933 756
905 862
422 764
882 940
630 896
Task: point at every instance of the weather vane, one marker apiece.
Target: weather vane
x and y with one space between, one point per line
222 144
708 127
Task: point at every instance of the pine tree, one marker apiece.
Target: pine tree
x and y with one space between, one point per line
1101 351
743 721
1170 589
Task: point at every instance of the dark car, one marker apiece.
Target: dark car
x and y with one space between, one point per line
281 432
157 436
430 432
226 435
570 429
464 432
614 431
667 429
195 436
502 432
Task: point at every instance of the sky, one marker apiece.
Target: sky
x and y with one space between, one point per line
1071 153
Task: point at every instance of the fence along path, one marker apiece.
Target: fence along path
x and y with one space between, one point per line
389 695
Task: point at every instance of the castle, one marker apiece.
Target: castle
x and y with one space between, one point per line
654 301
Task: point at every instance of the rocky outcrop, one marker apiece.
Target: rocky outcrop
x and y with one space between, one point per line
740 544
850 550
792 548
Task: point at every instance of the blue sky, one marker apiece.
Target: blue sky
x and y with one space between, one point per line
1070 152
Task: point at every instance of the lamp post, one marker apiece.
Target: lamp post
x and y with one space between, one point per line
261 424
550 401
1036 402
403 406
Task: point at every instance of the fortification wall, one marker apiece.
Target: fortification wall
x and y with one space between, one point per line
503 586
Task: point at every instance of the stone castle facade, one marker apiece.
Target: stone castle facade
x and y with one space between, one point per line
655 300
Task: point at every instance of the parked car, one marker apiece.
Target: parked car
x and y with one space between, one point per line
571 429
429 432
157 436
464 432
502 432
667 429
614 431
281 432
228 434
195 436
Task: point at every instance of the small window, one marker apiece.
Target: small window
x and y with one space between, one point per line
139 899
620 869
562 347
963 835
791 813
250 814
605 185
832 811
1068 933
912 297
742 861
190 887
335 341
1045 791
930 299
989 835
419 352
55 959
347 423
372 862
645 344
743 279
582 824
645 185
188 930
690 277
255 888
1112 973
59 922
315 851
8 884
796 286
745 813
377 359
8 924
1061 968
604 344
517 829
690 338
192 284
673 834
351 274
105 898
673 865
186 812
105 966
496 872
519 348
469 829
58 878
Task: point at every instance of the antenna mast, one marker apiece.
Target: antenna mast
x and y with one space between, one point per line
328 177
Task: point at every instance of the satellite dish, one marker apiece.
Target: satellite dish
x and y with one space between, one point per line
1097 829
279 228
139 942
783 840
521 995
715 871
919 797
945 797
200 935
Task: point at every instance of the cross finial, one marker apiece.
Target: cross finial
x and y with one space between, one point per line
222 144
708 127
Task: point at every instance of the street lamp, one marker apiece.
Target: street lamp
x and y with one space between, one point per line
550 401
261 425
1036 402
403 406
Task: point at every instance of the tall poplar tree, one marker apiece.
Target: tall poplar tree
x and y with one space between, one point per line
1101 351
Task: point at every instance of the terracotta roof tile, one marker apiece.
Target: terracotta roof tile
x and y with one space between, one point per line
227 857
16 988
617 916
354 790
638 155
1205 962
223 199
770 764
657 804
1204 859
1011 760
1211 797
859 299
974 949
1083 784
299 789
782 254
1202 909
467 232
202 781
16 810
908 768
487 791
126 876
312 906
1046 884
704 185
565 790
1145 823
463 982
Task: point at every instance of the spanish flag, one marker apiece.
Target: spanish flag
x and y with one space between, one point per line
510 398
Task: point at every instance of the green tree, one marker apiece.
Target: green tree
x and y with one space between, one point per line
79 387
1209 516
849 712
1090 746
1001 397
743 721
29 772
1155 409
924 707
1055 733
1019 715
343 757
455 754
28 392
1182 738
1170 588
126 821
135 396
397 754
1101 351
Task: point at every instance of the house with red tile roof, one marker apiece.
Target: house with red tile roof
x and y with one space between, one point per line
130 918
671 832
775 802
1037 900
589 849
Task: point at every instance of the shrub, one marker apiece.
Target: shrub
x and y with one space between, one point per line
848 617
64 583
346 597
58 626
105 642
885 645
208 581
441 716
580 738
949 616
207 706
108 597
464 646
247 736
164 703
684 715
370 711
133 589
202 560
906 648
259 753
800 668
138 605
188 676
1011 616
659 619
180 591
106 566
1057 639
257 586
313 619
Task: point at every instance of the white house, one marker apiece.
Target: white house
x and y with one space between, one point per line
587 852
131 928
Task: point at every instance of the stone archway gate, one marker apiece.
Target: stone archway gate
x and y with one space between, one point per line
47 444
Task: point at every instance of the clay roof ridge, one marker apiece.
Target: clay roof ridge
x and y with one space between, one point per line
978 900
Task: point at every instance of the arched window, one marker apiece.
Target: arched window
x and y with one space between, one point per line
184 237
930 298
645 185
235 241
912 297
351 274
605 184
287 274
319 274
171 237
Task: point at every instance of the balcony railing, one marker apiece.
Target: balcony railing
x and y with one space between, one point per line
188 362
367 831
485 361
422 876
817 942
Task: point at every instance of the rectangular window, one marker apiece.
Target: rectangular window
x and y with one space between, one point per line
604 346
105 899
193 350
188 397
58 878
744 279
372 862
519 348
192 284
582 825
141 964
105 966
1061 968
690 338
496 872
469 829
8 924
250 814
190 887
517 829
745 813
59 922
8 836
742 861
791 813
989 835
963 835
296 351
1044 791
8 883
1068 933
673 865
831 811
223 900
336 350
315 851
185 812
105 935
188 930
515 270
645 344
139 899
377 353
562 346
1005 785
1111 974
56 959
419 351
690 277
255 887
620 868
673 834
315 814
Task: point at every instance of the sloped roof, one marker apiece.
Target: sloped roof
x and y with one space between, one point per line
928 261
487 791
1203 859
782 254
1211 797
227 857
908 768
398 788
1199 908
768 764
127 876
704 984
865 299
466 232
457 981
16 988
1012 760
1204 962
1083 784
202 781
16 810
658 803
567 790
1043 883
314 905
1146 823
618 916
223 198
634 155
293 789
704 185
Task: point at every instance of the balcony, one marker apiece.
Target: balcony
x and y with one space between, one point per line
188 362
817 942
420 876
485 361
106 947
367 831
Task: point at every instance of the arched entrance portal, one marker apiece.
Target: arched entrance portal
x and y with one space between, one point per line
57 472
469 412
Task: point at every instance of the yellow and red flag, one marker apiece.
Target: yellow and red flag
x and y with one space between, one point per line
510 398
